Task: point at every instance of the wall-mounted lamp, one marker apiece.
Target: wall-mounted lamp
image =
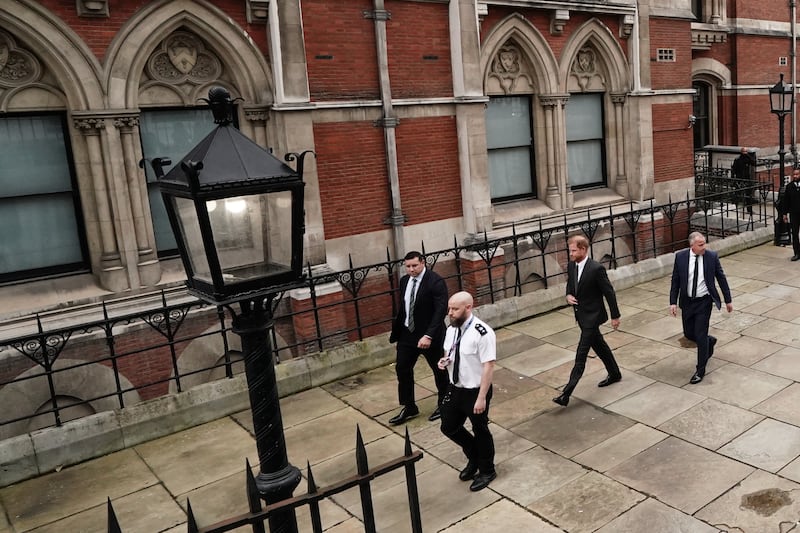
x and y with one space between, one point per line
692 121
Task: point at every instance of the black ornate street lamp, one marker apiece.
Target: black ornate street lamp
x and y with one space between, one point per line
237 215
781 102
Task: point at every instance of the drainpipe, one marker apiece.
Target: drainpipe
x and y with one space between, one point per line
388 122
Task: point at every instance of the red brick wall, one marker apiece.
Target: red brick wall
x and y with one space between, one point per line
674 34
339 29
415 31
99 32
757 60
427 158
672 142
763 9
353 181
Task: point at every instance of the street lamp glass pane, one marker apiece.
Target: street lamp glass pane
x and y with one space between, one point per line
193 239
252 235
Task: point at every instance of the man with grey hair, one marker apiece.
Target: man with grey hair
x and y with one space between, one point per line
694 290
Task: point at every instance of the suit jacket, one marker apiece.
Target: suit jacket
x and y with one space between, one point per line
790 199
590 291
712 270
430 308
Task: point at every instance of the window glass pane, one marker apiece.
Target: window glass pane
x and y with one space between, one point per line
33 159
508 138
585 140
508 122
584 117
38 232
39 212
510 171
172 134
585 163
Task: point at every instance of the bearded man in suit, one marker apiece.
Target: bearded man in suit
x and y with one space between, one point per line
418 328
587 286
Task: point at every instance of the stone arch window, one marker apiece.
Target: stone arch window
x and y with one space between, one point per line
172 121
586 121
704 109
509 125
40 204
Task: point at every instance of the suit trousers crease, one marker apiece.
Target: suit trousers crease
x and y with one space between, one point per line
478 446
590 338
696 316
407 356
794 221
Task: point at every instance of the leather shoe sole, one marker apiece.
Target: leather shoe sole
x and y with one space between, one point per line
403 416
469 471
482 481
561 400
697 378
435 415
795 258
609 381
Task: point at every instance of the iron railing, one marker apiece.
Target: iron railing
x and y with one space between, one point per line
363 478
110 357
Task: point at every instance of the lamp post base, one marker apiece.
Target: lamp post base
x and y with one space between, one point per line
276 486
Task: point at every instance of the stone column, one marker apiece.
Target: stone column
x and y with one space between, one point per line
287 48
620 179
136 182
111 274
557 193
258 116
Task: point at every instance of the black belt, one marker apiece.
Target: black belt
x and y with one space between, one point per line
698 298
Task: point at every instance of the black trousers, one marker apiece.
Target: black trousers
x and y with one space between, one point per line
478 446
407 356
794 219
590 338
696 315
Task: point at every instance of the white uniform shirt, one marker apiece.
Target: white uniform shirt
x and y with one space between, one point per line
478 346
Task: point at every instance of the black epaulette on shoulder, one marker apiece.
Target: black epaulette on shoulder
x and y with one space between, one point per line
481 329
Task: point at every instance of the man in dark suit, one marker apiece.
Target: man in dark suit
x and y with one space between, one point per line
587 286
789 207
418 329
694 290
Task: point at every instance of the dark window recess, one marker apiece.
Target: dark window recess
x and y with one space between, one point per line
323 56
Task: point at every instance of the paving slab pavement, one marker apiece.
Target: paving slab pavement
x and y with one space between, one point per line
649 454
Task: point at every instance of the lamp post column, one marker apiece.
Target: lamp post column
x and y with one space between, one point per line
277 479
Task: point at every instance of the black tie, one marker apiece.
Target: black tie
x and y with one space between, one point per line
411 301
696 275
457 359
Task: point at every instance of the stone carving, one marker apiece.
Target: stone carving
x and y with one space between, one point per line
126 123
17 66
89 126
509 70
183 57
584 68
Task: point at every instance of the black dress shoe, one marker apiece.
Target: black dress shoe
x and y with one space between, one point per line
435 415
405 414
795 257
469 471
609 381
482 481
562 400
697 378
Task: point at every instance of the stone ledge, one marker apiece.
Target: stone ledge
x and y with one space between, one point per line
42 451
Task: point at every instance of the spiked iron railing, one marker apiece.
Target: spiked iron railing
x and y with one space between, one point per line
258 514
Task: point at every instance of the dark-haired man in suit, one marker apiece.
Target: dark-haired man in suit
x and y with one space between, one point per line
418 329
587 286
694 290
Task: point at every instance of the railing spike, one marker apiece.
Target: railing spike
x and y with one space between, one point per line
407 450
361 453
191 523
113 523
312 485
253 495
